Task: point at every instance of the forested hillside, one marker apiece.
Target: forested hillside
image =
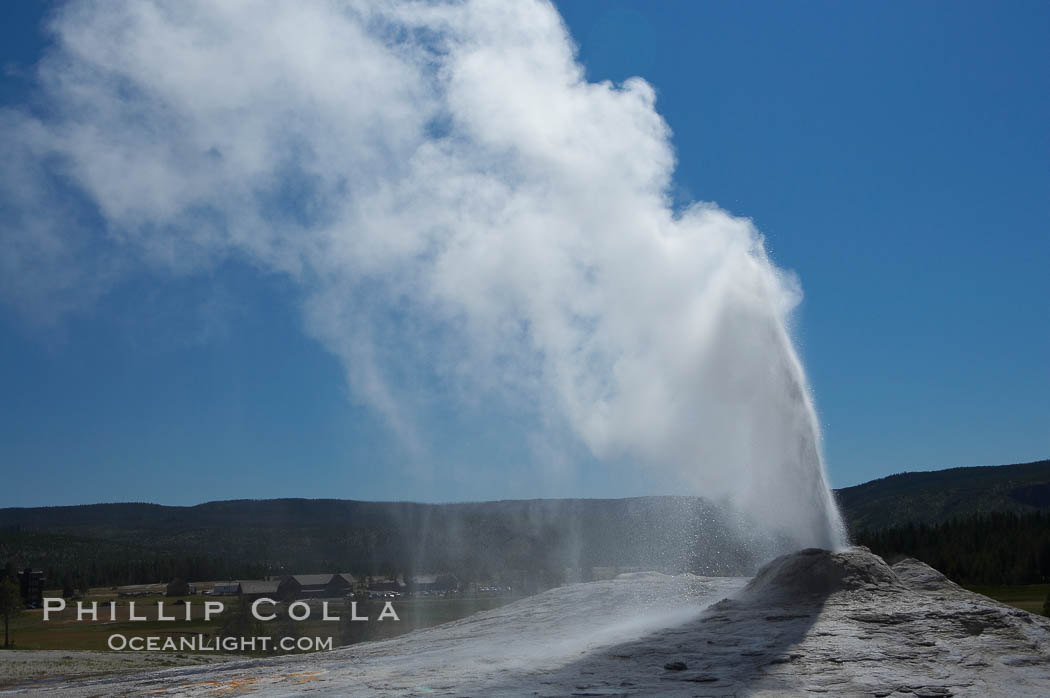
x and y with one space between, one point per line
939 495
978 525
141 542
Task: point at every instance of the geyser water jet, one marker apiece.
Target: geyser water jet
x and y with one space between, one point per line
461 209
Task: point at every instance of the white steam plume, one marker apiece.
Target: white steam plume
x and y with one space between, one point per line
453 197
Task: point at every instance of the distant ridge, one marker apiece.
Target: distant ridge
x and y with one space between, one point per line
129 541
296 512
910 497
917 498
939 495
315 535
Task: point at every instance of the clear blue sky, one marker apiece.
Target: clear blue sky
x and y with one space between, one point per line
895 155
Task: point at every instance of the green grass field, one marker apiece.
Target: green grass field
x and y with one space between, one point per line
1028 597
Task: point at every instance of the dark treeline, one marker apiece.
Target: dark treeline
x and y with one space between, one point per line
545 541
73 563
995 548
115 545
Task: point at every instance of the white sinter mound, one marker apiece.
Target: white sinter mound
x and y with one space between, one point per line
812 621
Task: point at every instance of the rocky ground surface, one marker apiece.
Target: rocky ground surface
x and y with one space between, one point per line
813 622
40 668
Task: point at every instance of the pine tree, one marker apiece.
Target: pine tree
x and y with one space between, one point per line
10 606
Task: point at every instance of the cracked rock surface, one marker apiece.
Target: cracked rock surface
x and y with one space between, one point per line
812 622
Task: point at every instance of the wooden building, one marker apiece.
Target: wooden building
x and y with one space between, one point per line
316 586
277 589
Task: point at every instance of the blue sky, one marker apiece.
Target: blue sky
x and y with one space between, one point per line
894 155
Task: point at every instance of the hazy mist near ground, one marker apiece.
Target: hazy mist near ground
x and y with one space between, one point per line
528 543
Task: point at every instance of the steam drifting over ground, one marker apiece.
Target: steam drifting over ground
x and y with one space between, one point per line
459 206
841 623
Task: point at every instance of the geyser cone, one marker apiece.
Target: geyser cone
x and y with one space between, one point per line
816 573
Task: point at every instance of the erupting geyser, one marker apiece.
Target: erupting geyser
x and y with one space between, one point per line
462 209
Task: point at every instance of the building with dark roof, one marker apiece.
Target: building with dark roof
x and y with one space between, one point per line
276 589
321 585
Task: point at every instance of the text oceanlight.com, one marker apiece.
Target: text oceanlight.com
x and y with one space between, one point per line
203 643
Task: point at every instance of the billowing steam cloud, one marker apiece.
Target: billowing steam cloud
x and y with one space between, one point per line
452 196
